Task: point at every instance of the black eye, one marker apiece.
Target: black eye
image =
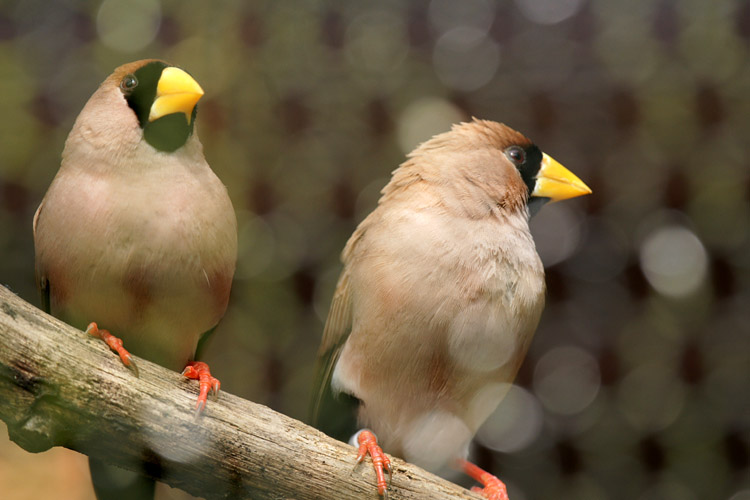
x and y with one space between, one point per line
516 154
128 83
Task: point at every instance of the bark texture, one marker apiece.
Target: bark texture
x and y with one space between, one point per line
61 387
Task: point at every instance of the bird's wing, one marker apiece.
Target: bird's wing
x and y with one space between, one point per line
44 292
41 281
339 321
334 413
36 218
203 342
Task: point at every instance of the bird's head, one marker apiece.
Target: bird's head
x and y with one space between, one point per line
489 165
163 98
545 179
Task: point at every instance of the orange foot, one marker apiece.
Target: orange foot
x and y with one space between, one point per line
493 488
115 344
368 443
200 371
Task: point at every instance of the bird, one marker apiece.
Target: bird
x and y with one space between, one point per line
136 233
439 297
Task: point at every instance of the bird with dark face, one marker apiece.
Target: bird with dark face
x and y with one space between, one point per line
440 294
136 232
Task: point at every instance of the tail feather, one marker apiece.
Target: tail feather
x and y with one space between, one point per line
114 483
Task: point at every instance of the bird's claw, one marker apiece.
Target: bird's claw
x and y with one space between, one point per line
492 491
368 444
115 344
492 488
207 383
130 363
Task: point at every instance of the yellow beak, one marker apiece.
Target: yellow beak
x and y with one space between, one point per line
176 92
557 182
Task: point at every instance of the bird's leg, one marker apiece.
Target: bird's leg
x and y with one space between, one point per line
199 370
493 488
368 443
115 344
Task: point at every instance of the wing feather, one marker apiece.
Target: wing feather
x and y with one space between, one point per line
325 404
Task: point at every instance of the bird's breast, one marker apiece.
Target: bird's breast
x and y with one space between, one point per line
443 310
151 261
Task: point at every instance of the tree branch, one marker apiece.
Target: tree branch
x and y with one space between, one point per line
61 387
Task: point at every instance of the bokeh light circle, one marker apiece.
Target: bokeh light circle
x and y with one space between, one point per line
674 260
548 11
128 26
651 397
515 424
557 233
433 439
448 14
566 380
465 58
425 118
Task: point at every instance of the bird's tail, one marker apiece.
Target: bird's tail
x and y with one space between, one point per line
114 483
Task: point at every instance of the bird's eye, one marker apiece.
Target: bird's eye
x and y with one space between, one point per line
128 83
517 155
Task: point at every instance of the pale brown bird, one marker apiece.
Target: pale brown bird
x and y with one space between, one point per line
440 294
136 232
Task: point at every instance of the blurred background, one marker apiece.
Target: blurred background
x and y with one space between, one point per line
637 385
